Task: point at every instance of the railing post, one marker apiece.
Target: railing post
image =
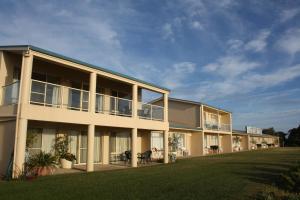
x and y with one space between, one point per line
92 92
134 101
166 107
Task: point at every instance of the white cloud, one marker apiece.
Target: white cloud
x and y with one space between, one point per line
177 74
247 82
197 25
259 43
230 66
235 44
289 14
167 32
290 41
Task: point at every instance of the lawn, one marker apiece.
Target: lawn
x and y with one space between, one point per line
229 176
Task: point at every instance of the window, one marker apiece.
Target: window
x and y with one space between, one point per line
157 140
34 141
181 140
118 144
39 139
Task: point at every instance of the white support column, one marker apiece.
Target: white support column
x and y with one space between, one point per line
249 142
219 121
90 148
202 118
134 147
134 101
166 107
92 100
230 122
219 143
166 146
231 143
20 147
21 126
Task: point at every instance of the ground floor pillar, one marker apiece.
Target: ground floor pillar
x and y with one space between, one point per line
166 146
90 148
20 147
134 147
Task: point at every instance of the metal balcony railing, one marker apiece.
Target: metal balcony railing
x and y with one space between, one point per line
53 95
150 111
211 125
113 105
10 93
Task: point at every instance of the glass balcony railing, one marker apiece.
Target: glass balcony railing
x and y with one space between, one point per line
149 111
113 105
10 93
53 95
212 125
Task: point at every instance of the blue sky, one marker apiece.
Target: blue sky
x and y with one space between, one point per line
243 56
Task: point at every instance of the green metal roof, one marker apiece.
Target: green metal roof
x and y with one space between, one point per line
182 126
44 51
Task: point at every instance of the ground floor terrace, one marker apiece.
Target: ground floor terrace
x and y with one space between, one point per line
242 142
108 145
198 142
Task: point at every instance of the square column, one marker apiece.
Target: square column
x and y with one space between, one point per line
90 148
134 147
21 125
20 142
166 146
134 101
92 100
166 108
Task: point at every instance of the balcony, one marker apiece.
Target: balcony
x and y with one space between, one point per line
10 94
211 125
53 95
58 96
150 111
113 105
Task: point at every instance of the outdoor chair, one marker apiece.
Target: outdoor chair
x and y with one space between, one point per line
145 157
127 156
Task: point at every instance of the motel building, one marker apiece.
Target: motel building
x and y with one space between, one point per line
103 114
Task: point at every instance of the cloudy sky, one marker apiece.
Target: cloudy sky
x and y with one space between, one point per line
243 56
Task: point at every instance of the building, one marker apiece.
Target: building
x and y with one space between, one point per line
103 114
45 94
202 129
243 140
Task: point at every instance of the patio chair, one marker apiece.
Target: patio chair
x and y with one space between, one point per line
127 156
147 156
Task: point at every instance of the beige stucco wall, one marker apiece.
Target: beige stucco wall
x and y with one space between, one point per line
197 144
178 112
7 138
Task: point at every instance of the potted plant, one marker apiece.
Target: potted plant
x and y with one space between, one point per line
61 149
174 145
237 143
41 164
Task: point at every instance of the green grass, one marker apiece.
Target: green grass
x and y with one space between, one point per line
229 176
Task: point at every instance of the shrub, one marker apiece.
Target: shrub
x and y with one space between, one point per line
41 164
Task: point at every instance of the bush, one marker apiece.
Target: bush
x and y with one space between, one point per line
291 179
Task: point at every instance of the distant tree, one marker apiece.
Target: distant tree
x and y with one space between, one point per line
294 137
280 134
269 131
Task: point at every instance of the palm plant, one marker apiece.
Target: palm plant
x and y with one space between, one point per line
41 164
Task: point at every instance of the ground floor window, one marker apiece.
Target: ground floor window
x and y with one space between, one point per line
157 140
119 142
43 139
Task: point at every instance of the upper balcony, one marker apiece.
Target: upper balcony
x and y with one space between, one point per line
216 120
61 87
